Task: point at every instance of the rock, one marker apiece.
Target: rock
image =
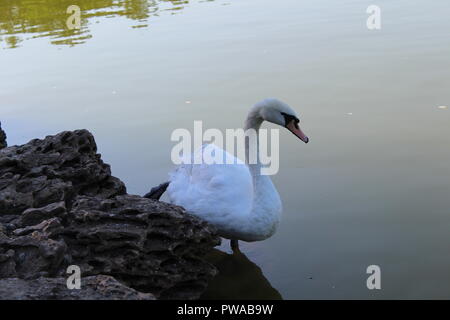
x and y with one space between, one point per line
149 245
30 252
3 143
34 216
55 169
59 206
92 288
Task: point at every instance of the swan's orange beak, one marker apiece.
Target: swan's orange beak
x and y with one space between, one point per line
295 129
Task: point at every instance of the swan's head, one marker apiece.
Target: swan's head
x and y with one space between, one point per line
278 112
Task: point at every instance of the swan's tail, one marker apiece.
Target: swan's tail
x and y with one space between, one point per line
156 192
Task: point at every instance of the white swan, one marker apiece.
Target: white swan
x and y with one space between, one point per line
240 202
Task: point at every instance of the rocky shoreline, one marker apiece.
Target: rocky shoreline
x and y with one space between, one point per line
3 143
60 206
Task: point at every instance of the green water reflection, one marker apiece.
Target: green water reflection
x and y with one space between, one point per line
21 20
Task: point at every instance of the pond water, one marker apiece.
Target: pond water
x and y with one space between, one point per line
371 188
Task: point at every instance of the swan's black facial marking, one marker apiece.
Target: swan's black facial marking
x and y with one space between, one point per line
288 118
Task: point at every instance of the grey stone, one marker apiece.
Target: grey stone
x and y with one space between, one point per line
92 288
3 143
60 205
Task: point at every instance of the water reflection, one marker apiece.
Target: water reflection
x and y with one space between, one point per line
28 19
238 278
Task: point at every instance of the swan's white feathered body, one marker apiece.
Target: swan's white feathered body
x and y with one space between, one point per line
224 195
240 202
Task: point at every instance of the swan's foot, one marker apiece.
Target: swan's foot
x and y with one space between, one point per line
235 246
157 192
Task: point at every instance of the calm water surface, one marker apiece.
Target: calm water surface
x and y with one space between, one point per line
373 185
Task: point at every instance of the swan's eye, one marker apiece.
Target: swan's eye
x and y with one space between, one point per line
288 118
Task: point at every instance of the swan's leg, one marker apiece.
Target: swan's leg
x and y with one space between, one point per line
234 245
157 192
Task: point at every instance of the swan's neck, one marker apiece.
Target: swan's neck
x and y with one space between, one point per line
260 182
253 122
266 206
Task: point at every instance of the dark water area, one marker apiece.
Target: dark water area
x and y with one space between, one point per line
238 278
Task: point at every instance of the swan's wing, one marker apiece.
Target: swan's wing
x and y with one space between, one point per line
221 194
